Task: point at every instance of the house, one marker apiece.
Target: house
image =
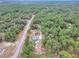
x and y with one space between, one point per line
35 35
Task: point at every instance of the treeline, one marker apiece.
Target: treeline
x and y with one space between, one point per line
60 27
13 18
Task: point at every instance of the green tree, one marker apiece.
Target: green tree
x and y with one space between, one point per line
65 54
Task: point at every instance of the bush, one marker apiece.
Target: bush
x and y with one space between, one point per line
65 54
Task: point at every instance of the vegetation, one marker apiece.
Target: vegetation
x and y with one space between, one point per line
59 24
13 18
65 54
60 27
27 50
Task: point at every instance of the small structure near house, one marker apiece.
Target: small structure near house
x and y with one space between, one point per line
2 37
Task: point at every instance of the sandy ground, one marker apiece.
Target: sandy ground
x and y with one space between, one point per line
8 47
39 49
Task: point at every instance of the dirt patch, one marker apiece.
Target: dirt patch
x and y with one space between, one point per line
8 49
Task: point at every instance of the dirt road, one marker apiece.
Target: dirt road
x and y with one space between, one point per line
22 39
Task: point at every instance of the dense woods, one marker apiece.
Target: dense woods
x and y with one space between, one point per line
59 24
60 27
13 18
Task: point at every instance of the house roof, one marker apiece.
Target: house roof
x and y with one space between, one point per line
35 35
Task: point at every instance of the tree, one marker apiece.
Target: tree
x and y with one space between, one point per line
27 51
65 54
77 45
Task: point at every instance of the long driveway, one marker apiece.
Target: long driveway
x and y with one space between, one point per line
22 39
